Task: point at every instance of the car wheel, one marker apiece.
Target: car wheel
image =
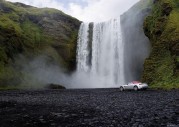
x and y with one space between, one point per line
135 88
121 88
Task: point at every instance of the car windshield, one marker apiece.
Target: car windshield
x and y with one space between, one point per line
134 82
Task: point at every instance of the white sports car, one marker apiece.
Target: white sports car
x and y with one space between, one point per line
134 85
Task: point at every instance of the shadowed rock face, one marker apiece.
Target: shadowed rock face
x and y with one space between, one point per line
32 32
63 30
136 44
57 25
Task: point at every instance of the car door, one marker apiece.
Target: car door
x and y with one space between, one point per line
130 85
127 86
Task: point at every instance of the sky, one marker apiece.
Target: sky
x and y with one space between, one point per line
85 10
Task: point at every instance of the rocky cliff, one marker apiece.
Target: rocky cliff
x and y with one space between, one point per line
151 48
29 32
136 44
161 69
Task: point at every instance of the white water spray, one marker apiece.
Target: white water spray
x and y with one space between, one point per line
107 53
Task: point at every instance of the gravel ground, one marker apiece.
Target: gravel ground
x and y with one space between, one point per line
89 108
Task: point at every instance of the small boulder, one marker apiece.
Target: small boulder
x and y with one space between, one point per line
55 86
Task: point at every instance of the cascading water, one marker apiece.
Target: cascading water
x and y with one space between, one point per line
107 52
82 48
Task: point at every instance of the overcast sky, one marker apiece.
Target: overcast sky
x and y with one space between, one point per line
86 10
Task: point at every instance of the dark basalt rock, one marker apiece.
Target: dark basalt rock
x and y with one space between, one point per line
54 86
166 9
89 108
5 9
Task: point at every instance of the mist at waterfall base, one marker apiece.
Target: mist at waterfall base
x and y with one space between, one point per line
40 71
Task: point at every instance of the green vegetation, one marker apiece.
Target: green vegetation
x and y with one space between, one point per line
161 69
31 32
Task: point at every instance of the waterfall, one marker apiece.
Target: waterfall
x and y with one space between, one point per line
82 48
106 52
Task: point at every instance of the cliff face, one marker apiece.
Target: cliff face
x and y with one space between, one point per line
158 20
136 44
31 32
161 69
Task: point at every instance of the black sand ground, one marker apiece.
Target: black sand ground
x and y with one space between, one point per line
88 108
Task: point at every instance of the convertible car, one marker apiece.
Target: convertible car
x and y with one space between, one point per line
134 85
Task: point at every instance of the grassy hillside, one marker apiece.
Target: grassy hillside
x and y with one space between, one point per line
29 31
161 69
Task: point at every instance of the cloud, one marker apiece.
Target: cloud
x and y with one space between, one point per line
101 10
86 10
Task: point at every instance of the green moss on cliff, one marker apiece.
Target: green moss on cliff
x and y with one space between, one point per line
34 35
162 28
